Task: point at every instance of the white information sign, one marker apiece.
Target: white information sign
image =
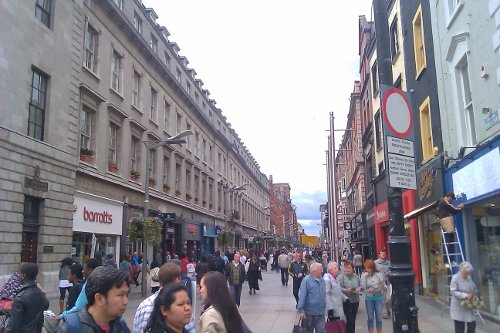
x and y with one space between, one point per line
400 146
402 171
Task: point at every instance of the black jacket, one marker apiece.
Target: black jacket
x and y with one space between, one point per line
88 325
74 292
216 264
27 310
230 266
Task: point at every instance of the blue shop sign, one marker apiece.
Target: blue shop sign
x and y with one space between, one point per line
208 230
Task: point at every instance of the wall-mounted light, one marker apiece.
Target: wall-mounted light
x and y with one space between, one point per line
486 110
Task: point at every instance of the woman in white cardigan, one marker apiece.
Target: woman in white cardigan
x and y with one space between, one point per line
334 295
462 287
220 314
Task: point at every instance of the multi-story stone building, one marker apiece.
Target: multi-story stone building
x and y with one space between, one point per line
39 124
74 151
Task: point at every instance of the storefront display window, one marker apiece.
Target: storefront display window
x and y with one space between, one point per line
82 246
487 221
437 277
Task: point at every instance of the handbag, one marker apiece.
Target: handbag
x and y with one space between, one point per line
297 328
335 326
6 304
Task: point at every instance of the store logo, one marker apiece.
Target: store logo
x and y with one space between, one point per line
91 216
192 229
426 185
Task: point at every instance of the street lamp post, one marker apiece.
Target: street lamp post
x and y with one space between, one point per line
176 139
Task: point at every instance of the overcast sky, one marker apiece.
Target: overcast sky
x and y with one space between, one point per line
276 69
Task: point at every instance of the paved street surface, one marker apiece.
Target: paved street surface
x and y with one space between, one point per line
272 310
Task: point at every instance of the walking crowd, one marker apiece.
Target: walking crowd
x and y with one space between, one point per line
327 293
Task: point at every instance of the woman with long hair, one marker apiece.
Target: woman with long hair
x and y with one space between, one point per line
172 311
64 284
373 285
220 314
253 273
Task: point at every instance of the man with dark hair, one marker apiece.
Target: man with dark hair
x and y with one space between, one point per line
216 263
30 302
168 274
81 301
107 294
75 276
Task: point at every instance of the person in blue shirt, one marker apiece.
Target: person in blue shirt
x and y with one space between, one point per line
81 301
312 299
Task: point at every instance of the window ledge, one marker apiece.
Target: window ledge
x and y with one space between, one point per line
133 107
419 73
94 75
153 122
117 94
454 15
396 56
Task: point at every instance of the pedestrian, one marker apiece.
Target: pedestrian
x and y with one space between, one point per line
275 261
350 284
136 268
324 261
312 300
243 257
462 287
235 273
64 284
153 277
168 257
12 286
373 285
169 273
82 301
382 265
283 263
172 311
217 263
253 270
109 261
126 266
334 295
107 294
26 315
297 270
220 312
75 277
201 269
184 262
357 260
191 269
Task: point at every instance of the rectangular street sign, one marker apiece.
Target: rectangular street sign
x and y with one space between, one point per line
400 146
402 171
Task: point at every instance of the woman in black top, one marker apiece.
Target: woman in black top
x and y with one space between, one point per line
75 276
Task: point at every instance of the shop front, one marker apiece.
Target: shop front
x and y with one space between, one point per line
191 236
97 227
381 221
431 275
209 236
475 180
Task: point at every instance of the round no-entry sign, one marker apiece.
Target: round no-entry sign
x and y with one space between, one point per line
397 112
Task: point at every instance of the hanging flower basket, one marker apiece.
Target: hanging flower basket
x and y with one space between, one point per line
224 239
149 227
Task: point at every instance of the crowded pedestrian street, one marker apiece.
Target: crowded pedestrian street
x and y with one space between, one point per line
272 309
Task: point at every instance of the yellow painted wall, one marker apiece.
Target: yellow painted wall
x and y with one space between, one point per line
310 240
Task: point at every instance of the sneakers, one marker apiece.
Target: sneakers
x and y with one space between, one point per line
385 315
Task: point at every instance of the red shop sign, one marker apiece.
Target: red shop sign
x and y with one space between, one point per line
381 213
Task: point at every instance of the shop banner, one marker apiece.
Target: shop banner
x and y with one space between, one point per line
209 230
191 232
97 217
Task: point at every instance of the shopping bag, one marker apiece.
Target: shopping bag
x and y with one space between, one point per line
297 328
335 326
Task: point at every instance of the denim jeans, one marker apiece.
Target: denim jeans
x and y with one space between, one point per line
284 276
374 309
316 322
235 290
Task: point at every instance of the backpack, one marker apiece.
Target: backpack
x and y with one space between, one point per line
73 324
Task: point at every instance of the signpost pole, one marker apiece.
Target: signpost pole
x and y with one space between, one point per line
401 277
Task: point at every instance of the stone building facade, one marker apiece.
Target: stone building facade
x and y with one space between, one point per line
106 79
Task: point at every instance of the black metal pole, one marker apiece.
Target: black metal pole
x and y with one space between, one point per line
401 277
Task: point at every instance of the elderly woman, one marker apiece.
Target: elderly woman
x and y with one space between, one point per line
334 295
462 287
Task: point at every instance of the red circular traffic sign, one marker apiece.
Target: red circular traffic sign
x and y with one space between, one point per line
397 112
